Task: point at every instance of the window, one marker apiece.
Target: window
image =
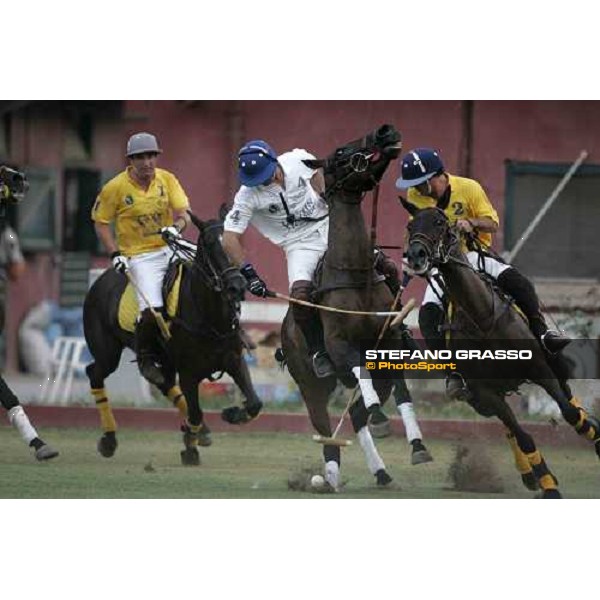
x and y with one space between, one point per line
36 221
565 242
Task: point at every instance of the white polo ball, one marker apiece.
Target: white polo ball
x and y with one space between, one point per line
317 482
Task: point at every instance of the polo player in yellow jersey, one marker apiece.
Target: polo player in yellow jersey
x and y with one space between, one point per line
148 206
466 204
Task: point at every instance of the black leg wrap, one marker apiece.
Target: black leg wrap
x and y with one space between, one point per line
331 453
431 319
7 396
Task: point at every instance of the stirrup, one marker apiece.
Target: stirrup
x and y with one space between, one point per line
322 365
456 388
553 341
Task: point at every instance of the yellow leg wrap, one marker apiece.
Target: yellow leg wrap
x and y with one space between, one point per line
99 394
576 402
547 482
535 458
521 461
107 418
176 396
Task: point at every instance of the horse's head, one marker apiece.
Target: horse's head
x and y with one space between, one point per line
13 185
430 239
358 166
209 239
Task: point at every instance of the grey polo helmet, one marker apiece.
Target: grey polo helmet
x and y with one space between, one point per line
142 142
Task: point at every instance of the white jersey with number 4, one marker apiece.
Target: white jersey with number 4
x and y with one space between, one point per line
265 206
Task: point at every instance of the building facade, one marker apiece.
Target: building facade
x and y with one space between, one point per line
518 150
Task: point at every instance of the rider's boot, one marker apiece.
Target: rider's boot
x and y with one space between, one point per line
309 321
456 388
146 347
521 289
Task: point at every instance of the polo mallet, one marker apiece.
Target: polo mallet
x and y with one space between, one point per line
164 330
334 440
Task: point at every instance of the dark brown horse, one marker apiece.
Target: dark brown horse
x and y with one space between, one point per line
484 319
205 339
349 282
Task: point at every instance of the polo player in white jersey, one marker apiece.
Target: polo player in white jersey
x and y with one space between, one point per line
281 197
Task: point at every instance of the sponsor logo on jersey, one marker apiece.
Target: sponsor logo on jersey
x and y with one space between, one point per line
273 208
128 200
458 208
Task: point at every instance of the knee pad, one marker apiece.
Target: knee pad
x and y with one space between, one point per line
302 290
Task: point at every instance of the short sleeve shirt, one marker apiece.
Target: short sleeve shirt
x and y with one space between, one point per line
139 214
265 206
468 200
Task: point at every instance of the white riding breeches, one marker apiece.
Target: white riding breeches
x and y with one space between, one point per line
491 266
148 271
304 254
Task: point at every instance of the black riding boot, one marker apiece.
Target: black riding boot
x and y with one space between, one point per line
309 321
431 319
522 291
147 348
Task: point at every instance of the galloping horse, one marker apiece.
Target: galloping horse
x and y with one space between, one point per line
205 338
482 316
349 282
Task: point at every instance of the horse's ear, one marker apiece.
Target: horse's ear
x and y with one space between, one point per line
223 210
314 163
195 220
409 207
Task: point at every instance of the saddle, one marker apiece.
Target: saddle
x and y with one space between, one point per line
343 281
128 305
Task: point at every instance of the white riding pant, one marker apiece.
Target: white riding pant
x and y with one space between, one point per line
491 266
304 254
148 271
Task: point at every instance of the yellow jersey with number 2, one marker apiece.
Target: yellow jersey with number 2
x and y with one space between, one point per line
139 214
468 200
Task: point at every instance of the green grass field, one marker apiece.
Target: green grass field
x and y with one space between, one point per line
252 465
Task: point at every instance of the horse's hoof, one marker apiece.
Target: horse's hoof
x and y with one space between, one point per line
204 438
529 481
380 430
379 424
253 408
107 444
552 494
419 457
46 452
382 478
190 457
237 415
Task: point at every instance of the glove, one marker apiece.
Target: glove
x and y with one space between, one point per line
256 285
120 262
170 234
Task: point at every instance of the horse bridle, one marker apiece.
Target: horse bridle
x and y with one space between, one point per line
438 253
